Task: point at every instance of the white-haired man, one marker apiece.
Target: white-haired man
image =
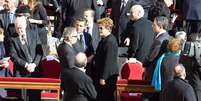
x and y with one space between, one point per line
26 53
139 34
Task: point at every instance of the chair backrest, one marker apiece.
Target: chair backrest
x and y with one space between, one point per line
51 68
132 71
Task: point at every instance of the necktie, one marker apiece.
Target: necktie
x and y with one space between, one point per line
26 48
123 3
23 39
82 41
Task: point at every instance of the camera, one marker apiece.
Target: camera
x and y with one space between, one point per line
192 49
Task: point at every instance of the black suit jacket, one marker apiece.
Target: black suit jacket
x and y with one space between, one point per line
178 90
141 39
158 47
120 18
72 9
66 55
106 64
78 86
19 54
191 9
4 19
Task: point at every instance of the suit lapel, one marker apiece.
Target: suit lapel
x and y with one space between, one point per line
127 6
24 51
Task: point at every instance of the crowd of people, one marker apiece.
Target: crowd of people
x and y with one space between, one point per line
162 35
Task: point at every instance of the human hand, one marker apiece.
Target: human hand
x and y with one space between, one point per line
31 67
4 64
127 41
102 82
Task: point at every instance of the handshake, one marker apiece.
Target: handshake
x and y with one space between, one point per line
30 67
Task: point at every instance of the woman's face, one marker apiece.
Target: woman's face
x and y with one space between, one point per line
103 31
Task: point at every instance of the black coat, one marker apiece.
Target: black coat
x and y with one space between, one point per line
106 67
33 54
78 86
4 19
106 64
167 69
120 16
39 13
178 90
72 9
191 9
141 39
66 55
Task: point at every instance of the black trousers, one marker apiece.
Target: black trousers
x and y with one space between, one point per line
108 91
193 26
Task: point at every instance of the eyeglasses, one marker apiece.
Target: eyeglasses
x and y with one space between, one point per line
75 36
101 28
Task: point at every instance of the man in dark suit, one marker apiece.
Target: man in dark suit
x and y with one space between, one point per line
7 19
7 15
77 85
106 66
141 38
65 50
192 15
72 9
84 43
178 89
120 16
159 46
92 27
26 52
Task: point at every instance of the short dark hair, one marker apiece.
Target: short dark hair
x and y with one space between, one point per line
81 19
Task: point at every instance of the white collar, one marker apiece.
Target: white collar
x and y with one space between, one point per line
160 33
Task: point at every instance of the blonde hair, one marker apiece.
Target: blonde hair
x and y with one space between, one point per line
174 45
107 22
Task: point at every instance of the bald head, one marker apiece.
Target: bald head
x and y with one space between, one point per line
80 60
179 71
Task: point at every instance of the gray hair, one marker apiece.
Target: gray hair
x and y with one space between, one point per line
68 31
181 35
91 11
162 22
